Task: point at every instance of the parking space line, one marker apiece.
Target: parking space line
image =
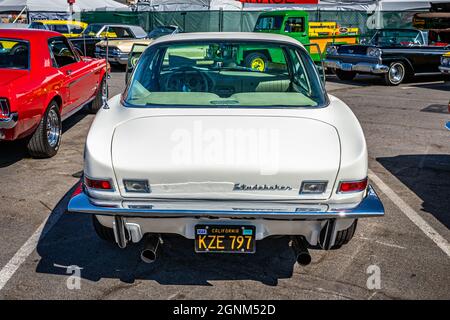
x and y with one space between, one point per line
412 215
27 248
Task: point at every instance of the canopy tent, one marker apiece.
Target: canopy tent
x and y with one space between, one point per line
59 5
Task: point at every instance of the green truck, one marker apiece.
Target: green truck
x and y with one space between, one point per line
295 23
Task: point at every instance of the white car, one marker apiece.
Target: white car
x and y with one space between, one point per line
202 145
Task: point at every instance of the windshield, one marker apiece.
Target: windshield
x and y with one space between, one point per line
160 31
225 74
269 23
92 30
14 54
397 38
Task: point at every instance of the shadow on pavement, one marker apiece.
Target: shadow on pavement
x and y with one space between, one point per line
436 108
71 240
73 120
428 176
14 151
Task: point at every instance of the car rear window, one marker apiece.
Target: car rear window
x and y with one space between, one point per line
225 73
14 54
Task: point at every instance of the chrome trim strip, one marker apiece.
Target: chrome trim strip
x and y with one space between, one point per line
358 67
75 110
370 206
444 69
10 122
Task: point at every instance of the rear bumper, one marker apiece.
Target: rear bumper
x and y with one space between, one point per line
9 123
180 217
445 70
365 67
370 206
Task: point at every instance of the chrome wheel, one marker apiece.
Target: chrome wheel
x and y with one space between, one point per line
396 73
53 128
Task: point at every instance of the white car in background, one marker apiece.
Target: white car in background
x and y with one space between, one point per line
202 146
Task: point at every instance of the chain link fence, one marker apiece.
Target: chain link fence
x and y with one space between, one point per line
215 21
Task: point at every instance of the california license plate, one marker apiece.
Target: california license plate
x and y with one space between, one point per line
225 239
346 66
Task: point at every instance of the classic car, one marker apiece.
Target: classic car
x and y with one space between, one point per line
445 64
119 50
39 90
97 32
200 146
392 53
69 29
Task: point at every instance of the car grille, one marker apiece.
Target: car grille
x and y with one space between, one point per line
112 51
4 107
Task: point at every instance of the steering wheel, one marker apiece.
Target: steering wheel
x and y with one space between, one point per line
63 52
187 79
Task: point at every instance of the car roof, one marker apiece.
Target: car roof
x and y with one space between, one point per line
397 29
284 13
74 22
200 36
27 34
113 24
227 36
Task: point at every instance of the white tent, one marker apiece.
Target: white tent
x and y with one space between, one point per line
59 5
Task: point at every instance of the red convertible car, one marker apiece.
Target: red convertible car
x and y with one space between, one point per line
44 80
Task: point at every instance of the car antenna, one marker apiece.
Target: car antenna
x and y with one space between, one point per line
105 97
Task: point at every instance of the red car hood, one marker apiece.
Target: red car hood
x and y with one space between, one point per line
10 75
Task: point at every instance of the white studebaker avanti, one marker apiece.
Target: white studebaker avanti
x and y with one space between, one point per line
208 143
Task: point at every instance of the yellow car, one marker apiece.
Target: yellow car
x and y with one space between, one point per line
70 29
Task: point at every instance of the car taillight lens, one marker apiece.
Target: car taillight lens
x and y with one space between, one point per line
352 186
4 108
99 184
78 190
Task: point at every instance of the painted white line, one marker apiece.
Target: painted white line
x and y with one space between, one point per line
382 243
440 241
28 247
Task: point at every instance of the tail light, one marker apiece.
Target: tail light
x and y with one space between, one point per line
99 184
4 108
78 190
352 186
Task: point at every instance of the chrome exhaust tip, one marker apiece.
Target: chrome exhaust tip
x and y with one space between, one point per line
301 252
150 251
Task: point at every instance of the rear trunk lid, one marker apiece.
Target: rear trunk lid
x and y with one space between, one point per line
225 157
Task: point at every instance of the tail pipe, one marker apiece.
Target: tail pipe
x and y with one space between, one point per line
151 247
301 252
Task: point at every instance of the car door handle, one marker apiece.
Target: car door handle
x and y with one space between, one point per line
69 72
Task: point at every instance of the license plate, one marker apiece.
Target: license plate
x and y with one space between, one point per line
225 239
346 66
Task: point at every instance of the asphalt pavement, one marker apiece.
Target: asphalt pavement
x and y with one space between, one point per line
42 246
